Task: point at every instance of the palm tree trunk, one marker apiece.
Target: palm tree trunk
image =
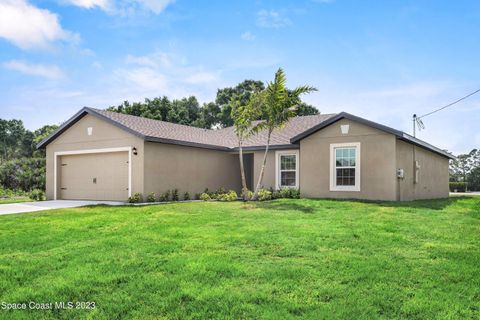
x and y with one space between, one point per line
242 170
262 170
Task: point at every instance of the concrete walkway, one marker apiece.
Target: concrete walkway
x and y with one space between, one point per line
23 207
475 193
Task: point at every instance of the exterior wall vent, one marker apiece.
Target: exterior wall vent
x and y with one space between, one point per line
345 128
89 131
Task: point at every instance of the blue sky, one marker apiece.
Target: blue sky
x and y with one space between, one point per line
383 60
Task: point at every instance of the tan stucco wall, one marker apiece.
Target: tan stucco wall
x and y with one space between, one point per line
269 176
433 173
377 162
189 169
104 135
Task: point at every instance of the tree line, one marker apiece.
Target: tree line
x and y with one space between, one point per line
465 171
22 166
188 111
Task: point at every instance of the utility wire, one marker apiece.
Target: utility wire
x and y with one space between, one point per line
450 104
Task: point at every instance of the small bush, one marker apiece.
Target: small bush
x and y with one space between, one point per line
205 196
136 198
458 186
165 196
8 193
175 195
294 193
264 195
37 195
276 194
228 196
197 196
290 193
219 193
186 196
151 197
247 195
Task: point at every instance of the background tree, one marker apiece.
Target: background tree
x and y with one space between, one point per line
277 105
466 169
39 135
242 91
461 167
216 114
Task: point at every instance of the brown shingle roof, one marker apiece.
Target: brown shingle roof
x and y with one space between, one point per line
225 139
222 138
166 130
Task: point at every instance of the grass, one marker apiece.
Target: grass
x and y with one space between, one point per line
312 259
14 200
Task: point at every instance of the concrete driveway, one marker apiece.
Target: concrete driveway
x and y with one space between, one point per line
22 207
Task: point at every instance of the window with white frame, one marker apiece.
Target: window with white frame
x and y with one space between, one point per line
345 167
287 169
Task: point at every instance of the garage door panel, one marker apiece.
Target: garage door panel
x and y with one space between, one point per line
99 176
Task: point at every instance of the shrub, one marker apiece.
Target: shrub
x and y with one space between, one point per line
247 194
186 196
37 195
228 196
295 193
264 195
290 193
276 194
219 193
205 196
165 196
7 193
23 174
458 186
151 197
136 198
175 195
197 196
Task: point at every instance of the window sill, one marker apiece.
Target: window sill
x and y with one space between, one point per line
347 189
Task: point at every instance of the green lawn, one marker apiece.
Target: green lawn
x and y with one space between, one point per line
14 200
313 259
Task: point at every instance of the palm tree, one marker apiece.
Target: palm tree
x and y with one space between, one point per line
278 105
242 116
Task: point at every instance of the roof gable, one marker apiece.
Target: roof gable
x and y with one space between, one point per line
399 134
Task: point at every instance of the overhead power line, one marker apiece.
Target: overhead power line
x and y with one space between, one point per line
417 119
450 104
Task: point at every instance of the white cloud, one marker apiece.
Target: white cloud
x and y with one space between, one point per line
123 7
156 6
28 27
51 72
161 73
146 78
155 60
248 36
89 4
272 19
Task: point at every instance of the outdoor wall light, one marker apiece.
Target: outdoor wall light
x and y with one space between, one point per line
134 150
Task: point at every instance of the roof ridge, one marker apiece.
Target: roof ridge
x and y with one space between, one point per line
150 119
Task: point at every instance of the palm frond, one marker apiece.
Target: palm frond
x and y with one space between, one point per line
302 90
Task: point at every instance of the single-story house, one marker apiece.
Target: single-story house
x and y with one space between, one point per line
102 155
